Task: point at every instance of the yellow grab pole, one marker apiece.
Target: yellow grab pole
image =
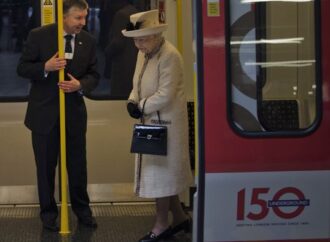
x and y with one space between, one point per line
179 25
64 194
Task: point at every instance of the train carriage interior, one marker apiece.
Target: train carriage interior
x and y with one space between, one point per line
121 215
273 86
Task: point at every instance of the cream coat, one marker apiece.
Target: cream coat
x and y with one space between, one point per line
162 83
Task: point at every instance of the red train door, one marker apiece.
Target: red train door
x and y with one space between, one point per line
264 120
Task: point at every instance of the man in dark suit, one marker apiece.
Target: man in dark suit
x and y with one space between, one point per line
40 63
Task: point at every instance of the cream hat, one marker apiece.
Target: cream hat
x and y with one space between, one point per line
144 24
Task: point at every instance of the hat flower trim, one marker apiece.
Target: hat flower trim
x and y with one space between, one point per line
130 26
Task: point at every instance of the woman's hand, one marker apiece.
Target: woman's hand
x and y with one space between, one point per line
133 110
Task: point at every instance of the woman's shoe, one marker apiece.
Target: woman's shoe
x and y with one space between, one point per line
151 237
186 226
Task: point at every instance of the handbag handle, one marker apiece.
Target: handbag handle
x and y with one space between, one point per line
142 112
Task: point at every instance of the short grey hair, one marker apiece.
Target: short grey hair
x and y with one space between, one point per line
67 4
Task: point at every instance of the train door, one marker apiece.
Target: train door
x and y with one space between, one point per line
263 121
110 164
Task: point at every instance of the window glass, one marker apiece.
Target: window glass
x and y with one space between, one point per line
274 85
15 21
114 52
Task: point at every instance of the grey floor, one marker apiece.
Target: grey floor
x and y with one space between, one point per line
116 223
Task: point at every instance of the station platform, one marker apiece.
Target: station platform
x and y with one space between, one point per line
116 223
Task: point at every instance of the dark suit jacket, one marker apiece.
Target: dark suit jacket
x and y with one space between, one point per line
43 106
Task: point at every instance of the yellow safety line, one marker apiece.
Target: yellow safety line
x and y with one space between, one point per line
64 204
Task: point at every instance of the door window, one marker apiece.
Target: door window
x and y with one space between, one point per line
274 77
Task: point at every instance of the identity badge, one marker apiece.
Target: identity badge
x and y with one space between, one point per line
68 56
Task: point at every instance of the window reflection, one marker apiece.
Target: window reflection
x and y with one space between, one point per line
289 73
16 20
273 65
116 55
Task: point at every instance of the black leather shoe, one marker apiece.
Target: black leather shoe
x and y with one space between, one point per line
186 226
151 237
89 222
51 225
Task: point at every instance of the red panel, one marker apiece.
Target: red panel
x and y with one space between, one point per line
226 151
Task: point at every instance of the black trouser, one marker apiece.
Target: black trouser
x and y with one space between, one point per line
46 151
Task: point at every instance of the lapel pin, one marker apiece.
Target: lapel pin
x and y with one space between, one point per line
80 43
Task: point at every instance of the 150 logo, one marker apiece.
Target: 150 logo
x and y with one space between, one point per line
277 203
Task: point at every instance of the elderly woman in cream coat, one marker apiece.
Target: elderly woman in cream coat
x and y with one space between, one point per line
158 81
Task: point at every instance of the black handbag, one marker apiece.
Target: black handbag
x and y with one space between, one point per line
149 139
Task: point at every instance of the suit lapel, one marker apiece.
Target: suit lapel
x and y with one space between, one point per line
78 46
50 40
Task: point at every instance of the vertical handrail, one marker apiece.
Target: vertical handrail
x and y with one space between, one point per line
64 201
179 22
